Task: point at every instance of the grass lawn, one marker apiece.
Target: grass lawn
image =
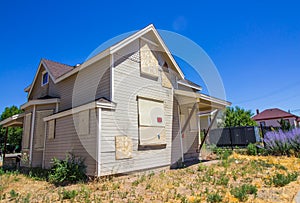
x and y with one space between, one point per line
240 178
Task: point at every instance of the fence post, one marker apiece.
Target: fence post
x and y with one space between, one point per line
230 137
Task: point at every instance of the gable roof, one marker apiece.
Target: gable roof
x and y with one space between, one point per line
56 69
274 113
59 71
114 48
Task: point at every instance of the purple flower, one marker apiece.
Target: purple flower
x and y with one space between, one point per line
282 143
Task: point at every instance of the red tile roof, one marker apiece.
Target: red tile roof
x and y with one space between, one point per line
57 69
272 114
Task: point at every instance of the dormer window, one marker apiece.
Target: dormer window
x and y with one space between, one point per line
45 78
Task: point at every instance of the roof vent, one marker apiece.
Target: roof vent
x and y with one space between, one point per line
78 64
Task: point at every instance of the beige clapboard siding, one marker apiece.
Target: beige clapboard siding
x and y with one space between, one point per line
37 157
53 91
38 90
124 120
91 83
66 140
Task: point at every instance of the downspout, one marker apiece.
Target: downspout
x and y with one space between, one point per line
31 135
180 136
112 77
99 143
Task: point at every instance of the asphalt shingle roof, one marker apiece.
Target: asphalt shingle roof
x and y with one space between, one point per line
57 69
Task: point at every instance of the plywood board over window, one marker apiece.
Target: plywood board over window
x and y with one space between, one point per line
40 128
123 147
82 122
193 121
151 122
149 62
26 131
51 129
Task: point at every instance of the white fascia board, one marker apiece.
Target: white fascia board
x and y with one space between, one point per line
202 96
214 100
130 39
39 102
189 85
120 45
78 109
11 119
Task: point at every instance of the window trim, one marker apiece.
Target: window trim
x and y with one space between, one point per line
42 81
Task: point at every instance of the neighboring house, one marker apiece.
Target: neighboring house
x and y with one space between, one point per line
120 110
272 117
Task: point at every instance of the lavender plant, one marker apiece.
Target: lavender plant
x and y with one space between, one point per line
283 143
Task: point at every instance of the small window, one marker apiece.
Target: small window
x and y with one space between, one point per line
45 78
262 124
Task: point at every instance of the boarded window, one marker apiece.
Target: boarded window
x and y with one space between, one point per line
123 147
149 63
165 81
51 129
151 122
82 122
193 122
26 132
40 128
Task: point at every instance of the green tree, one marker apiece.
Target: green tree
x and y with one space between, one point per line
14 138
236 116
285 125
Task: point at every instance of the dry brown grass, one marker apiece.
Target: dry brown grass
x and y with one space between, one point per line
192 184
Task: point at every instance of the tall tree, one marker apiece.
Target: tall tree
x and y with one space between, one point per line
14 138
236 116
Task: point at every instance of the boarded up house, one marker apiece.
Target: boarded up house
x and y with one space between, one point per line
122 110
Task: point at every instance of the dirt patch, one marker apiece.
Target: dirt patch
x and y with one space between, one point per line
201 182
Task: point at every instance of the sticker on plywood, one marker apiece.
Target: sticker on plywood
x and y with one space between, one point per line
123 147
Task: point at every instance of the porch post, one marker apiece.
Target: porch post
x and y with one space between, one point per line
180 136
5 142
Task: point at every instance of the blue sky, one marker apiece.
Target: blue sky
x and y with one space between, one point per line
255 46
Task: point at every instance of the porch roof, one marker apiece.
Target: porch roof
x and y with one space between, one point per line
13 121
205 102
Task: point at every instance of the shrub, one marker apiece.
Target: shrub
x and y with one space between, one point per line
69 194
280 180
70 170
214 197
13 194
222 153
35 173
251 149
242 192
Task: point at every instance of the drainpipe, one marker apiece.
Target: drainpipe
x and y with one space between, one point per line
99 143
31 135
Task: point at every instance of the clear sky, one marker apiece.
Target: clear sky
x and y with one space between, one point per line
255 46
